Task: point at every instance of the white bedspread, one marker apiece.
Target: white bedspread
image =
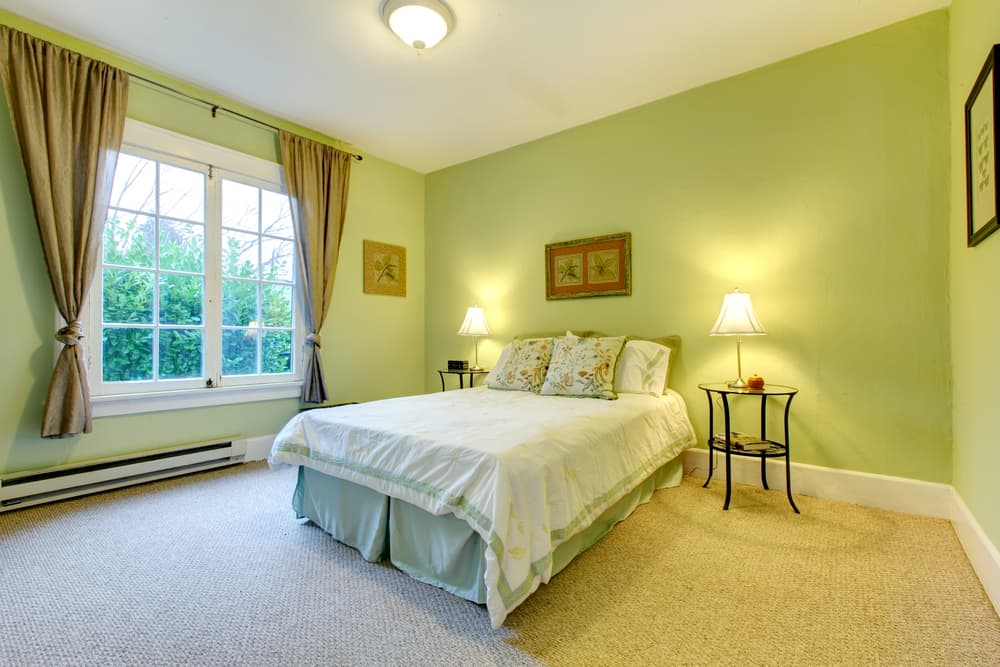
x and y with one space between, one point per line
526 472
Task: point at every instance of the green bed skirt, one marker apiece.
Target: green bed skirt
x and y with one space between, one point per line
439 550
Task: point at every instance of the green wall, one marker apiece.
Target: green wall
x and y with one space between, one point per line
975 317
818 184
372 344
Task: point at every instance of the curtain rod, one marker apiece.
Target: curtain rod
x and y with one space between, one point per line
218 107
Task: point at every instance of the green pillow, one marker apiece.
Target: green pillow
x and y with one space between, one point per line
560 334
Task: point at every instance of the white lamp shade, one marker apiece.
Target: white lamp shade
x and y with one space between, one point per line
475 323
419 23
737 317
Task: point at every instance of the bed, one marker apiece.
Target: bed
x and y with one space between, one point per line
482 492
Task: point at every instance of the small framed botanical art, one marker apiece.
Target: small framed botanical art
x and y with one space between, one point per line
982 115
385 269
598 266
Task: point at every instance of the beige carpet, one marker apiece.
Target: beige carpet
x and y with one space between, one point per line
213 569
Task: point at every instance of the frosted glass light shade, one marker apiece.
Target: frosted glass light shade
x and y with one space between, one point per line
419 23
474 323
737 317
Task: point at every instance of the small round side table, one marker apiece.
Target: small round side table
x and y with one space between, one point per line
762 447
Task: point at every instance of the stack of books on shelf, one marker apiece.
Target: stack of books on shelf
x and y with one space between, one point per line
742 441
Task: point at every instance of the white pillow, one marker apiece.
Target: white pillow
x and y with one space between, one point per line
495 371
643 368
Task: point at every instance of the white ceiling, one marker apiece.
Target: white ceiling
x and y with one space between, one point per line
511 71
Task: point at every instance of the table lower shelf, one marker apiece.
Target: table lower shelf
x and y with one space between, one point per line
774 449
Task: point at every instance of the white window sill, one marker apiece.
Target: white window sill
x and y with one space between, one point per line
129 404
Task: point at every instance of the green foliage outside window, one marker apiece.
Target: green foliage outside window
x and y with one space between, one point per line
129 300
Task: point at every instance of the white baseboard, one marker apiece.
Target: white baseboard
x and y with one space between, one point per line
259 447
982 553
911 496
898 494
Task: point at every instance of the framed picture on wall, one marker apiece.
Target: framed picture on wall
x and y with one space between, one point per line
598 266
981 120
385 269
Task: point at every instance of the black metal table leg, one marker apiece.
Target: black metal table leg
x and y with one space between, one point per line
711 425
441 375
763 436
788 470
729 465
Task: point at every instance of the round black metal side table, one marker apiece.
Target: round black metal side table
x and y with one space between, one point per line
762 447
461 373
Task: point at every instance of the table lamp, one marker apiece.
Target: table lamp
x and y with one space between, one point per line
737 319
475 326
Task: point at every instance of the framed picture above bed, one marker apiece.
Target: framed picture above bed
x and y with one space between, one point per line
596 266
385 269
982 116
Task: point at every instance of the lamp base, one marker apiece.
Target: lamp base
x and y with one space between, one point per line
738 383
475 366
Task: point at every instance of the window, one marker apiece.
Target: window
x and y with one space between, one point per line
197 282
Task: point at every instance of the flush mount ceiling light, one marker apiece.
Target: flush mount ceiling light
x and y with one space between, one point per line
419 23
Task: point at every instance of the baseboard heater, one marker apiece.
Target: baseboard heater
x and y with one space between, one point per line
33 487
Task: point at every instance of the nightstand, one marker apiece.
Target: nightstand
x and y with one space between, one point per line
763 447
461 376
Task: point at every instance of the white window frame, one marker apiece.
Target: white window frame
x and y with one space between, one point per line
129 398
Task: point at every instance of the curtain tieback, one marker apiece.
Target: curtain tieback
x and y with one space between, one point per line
70 334
313 339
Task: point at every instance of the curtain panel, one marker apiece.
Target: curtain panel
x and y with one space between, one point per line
317 177
68 114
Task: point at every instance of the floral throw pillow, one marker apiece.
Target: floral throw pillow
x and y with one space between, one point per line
584 367
526 366
498 366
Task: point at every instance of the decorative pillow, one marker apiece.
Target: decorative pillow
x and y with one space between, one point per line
643 368
583 367
498 366
526 368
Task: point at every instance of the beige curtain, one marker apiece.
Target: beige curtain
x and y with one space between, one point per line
68 113
317 177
